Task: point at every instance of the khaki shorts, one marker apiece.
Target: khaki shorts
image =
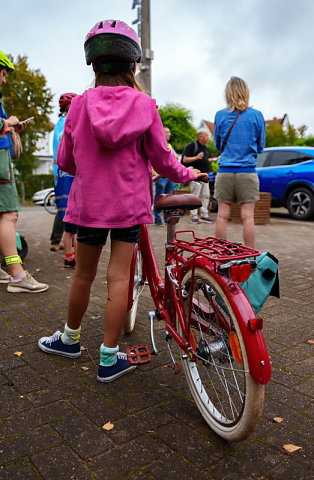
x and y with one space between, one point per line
237 187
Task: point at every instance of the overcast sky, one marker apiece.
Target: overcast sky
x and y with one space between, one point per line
198 45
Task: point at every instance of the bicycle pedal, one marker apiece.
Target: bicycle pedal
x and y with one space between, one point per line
139 354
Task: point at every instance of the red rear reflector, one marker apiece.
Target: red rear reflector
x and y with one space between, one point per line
240 273
255 324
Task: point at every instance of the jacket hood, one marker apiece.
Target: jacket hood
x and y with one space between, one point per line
118 115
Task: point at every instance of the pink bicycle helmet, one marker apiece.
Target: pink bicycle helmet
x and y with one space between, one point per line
112 46
65 99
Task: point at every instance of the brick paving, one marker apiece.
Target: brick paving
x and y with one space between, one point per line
52 409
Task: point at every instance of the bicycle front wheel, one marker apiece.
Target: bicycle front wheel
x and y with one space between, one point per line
228 398
138 284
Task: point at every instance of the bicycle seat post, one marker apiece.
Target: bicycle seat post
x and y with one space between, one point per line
173 219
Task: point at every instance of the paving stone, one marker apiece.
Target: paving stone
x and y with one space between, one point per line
124 459
58 463
172 466
27 444
84 439
102 411
18 471
26 379
290 470
11 401
58 392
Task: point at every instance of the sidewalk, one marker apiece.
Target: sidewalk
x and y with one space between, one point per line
52 409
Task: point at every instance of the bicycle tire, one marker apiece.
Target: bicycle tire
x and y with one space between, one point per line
228 398
130 317
50 203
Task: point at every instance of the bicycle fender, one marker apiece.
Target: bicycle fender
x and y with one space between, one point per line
257 354
131 282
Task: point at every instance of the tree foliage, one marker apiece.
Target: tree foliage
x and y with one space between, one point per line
277 136
179 120
26 95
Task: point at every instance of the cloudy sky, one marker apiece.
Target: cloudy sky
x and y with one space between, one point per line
198 45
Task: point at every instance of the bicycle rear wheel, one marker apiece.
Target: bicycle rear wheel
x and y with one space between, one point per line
50 203
138 283
228 398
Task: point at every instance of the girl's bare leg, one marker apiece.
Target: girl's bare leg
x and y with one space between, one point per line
222 220
8 240
118 277
85 272
247 217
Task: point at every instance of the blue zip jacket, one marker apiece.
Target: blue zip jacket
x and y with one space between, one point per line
246 139
5 138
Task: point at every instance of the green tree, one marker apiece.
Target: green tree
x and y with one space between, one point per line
179 120
277 136
26 95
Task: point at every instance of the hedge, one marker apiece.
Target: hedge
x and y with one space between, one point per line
33 183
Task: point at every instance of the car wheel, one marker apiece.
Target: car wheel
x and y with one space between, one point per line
300 204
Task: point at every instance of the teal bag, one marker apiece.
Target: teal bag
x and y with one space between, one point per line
263 282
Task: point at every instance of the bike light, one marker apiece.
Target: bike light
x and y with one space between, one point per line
240 273
235 347
255 324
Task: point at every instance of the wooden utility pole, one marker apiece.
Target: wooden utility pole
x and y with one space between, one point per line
147 54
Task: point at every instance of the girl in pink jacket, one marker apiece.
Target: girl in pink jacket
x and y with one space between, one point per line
113 136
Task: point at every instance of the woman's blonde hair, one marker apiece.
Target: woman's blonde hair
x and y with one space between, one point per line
237 94
127 79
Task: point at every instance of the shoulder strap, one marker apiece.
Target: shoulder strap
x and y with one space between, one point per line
228 134
195 148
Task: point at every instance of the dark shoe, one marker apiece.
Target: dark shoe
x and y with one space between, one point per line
206 220
55 345
69 263
122 367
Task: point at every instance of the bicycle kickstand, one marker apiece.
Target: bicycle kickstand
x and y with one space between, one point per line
176 366
151 318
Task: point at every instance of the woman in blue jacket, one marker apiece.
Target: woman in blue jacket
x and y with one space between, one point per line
237 180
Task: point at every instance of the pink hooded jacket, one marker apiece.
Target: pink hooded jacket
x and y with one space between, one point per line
112 138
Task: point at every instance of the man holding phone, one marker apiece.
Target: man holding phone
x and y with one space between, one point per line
18 279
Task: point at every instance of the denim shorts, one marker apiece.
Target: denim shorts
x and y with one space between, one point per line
98 236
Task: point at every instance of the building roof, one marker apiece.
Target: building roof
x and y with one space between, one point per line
210 126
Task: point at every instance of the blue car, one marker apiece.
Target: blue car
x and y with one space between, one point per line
288 174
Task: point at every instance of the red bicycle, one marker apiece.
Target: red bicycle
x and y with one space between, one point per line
223 352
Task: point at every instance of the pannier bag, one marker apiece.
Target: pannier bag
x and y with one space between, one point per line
263 282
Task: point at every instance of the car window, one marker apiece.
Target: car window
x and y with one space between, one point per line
304 157
261 159
284 158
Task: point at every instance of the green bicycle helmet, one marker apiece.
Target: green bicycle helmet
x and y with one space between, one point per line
5 62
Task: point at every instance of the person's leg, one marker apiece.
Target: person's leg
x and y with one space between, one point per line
222 219
159 190
118 277
195 189
57 233
204 197
247 217
85 272
8 241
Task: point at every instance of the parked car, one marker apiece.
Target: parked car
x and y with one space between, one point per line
288 174
39 197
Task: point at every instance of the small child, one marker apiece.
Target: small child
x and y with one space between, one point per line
113 136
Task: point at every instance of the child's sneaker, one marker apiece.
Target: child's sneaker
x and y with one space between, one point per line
4 276
69 263
26 284
108 374
206 220
55 345
194 220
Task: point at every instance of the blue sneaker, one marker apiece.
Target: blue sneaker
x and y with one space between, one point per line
206 220
55 345
194 220
108 374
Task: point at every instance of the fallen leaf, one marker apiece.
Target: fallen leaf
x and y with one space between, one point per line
108 426
61 268
289 447
311 342
18 354
68 276
37 269
278 419
85 368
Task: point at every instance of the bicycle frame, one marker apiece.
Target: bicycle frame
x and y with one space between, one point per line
168 299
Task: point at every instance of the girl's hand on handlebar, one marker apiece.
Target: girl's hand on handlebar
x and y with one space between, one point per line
203 177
